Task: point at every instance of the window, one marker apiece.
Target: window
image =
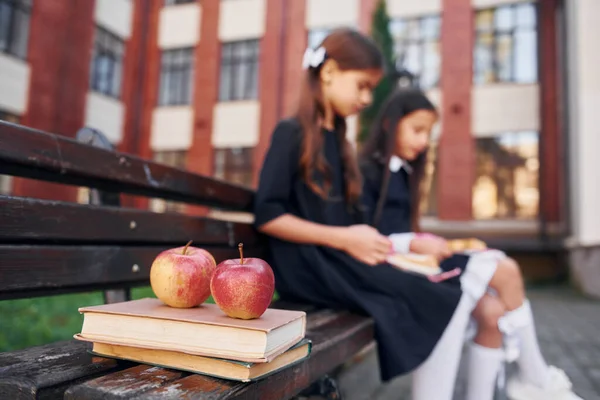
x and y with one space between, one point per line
6 180
316 36
506 184
107 64
172 158
14 27
417 48
239 70
506 44
234 165
173 2
176 77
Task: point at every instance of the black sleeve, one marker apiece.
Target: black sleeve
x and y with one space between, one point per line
370 190
279 171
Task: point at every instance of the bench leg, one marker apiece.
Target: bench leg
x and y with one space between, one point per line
326 388
117 295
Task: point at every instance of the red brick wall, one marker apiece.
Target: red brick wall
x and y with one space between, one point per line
552 159
366 15
271 73
456 148
295 45
141 70
60 43
206 89
281 68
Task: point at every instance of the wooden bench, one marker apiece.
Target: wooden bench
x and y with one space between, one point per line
50 247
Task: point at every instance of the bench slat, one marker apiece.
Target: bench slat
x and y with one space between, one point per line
333 344
26 220
46 371
27 270
34 154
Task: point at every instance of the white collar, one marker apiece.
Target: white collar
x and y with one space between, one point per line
396 163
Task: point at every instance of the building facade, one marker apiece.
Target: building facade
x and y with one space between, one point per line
200 84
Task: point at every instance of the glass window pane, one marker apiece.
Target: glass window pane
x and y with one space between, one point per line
526 15
414 30
504 61
431 27
413 59
483 63
503 18
5 13
431 65
526 65
225 83
398 29
484 20
507 170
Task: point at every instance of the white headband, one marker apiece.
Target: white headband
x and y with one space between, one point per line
313 58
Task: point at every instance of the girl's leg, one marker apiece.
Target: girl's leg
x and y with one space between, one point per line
536 379
435 378
508 283
485 356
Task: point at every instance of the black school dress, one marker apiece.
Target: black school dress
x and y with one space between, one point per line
396 212
410 312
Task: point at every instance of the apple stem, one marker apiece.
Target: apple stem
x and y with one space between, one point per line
186 247
241 248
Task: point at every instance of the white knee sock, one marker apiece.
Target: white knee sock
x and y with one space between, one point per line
519 323
484 365
435 378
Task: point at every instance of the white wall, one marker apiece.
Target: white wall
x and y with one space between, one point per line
236 124
105 114
115 15
14 84
331 13
404 8
179 26
494 3
584 117
172 128
504 107
239 20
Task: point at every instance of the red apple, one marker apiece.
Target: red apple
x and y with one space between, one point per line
180 277
243 287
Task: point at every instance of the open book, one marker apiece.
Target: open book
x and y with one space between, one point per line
413 262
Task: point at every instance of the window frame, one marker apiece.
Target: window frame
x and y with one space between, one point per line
169 3
421 41
235 56
181 65
110 45
495 34
226 170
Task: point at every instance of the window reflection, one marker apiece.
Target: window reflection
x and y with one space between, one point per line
507 170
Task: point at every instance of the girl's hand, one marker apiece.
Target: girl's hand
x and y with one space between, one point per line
366 244
431 245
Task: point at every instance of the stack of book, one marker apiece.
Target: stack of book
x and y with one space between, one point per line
201 340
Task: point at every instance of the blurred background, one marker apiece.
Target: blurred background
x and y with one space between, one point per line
200 84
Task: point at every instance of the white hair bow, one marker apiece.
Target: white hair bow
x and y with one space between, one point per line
313 58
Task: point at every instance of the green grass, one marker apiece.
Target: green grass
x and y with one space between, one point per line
42 320
37 321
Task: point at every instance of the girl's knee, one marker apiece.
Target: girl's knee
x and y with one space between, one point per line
508 272
488 311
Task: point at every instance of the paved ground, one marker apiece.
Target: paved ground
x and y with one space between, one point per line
568 326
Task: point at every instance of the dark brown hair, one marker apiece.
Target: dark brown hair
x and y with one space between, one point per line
352 51
381 144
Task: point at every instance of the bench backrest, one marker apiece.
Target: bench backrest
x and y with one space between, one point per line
50 247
